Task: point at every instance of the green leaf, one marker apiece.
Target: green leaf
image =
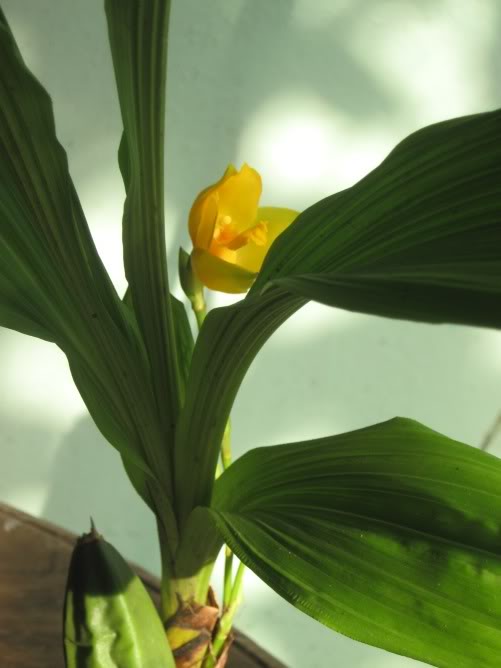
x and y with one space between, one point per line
229 340
418 238
54 285
184 340
389 535
48 259
182 331
138 39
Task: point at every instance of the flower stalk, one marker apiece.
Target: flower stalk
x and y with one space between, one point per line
223 633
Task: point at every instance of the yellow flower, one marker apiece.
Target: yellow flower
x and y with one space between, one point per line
230 233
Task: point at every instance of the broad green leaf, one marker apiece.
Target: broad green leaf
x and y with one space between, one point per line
182 332
53 283
229 340
390 535
418 238
138 39
155 492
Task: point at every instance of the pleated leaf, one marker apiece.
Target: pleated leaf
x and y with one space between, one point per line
138 39
182 332
390 535
53 284
418 238
49 264
229 340
184 341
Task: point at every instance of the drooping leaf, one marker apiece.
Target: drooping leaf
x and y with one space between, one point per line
390 535
138 39
418 238
41 233
53 283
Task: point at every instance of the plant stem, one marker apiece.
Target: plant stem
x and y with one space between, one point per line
199 307
228 577
237 585
226 446
167 596
226 621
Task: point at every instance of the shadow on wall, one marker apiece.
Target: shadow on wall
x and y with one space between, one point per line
88 480
216 87
328 371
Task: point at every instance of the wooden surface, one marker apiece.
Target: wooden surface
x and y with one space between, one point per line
34 558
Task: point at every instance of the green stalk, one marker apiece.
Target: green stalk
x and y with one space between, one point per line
226 621
192 287
226 446
167 596
199 308
228 577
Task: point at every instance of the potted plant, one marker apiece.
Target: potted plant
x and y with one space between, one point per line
389 534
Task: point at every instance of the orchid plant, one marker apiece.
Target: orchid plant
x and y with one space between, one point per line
389 534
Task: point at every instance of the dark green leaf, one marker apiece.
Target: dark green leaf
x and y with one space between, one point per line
390 535
182 332
229 340
418 238
138 39
53 283
184 340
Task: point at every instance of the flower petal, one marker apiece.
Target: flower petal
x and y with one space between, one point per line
251 256
217 274
198 213
239 196
207 222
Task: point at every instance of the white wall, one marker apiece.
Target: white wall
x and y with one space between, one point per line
313 93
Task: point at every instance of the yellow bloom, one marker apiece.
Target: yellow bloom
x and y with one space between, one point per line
230 233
